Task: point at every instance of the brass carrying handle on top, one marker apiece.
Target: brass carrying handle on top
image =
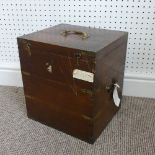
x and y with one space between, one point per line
84 35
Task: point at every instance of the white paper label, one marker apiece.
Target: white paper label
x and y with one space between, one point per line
115 95
83 75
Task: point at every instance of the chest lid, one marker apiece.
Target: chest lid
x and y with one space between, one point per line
76 37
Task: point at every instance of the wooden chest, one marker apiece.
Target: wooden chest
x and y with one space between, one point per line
71 76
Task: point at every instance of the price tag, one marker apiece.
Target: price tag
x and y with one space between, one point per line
115 95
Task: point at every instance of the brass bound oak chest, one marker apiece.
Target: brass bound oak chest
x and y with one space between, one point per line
73 77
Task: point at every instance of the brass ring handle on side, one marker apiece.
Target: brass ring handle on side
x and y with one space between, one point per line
84 35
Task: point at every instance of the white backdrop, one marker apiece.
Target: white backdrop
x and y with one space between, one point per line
18 17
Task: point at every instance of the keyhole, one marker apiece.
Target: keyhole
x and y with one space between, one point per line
49 67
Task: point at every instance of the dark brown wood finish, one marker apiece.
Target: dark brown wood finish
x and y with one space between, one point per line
53 97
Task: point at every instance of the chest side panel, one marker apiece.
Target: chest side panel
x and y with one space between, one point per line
109 70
